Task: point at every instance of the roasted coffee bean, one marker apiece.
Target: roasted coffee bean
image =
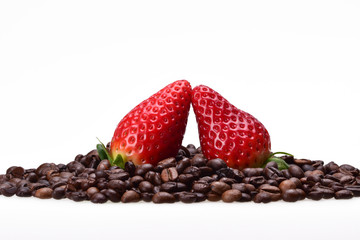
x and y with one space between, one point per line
130 168
302 194
200 197
287 184
100 174
23 192
272 172
23 183
216 164
147 197
231 195
347 180
111 195
130 196
355 189
87 184
205 171
91 191
275 192
202 187
307 167
17 172
169 174
271 164
302 161
146 186
288 159
135 181
182 165
245 197
326 182
296 181
153 177
349 170
195 171
213 197
198 160
142 169
227 180
163 197
76 167
296 171
44 168
167 163
257 180
44 193
250 172
98 198
104 165
240 186
168 187
343 194
102 183
220 187
156 189
119 176
291 195
313 178
181 187
207 179
315 195
59 192
117 185
272 182
238 175
262 197
187 197
327 192
286 173
8 189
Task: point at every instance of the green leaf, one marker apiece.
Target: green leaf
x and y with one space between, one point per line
280 162
103 152
119 161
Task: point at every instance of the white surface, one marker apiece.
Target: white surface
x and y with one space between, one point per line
70 70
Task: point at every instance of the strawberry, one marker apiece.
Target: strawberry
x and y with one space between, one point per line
227 132
154 129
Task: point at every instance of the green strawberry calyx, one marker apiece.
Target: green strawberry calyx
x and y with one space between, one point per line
104 154
280 162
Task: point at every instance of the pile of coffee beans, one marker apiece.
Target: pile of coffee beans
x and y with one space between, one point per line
188 177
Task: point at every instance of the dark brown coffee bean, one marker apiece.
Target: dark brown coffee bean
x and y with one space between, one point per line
135 181
181 187
77 196
111 195
257 180
23 183
146 186
313 178
76 167
302 194
182 165
315 195
326 182
142 169
240 186
207 179
220 187
130 168
251 172
296 171
202 187
119 176
301 162
272 173
349 170
117 185
187 197
100 174
88 183
274 192
23 192
216 164
168 187
343 194
98 198
16 172
287 184
163 197
169 174
44 168
167 163
213 197
262 197
307 167
44 193
228 181
245 197
198 160
271 164
8 189
288 159
337 186
153 177
59 192
195 171
327 192
104 165
130 196
205 171
147 197
291 195
286 173
231 195
354 189
347 180
200 197
296 181
91 191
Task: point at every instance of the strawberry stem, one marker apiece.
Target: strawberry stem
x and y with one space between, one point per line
104 154
280 162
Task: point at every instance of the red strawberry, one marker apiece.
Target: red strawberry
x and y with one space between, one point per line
227 132
154 129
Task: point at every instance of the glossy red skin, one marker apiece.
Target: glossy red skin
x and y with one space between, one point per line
154 129
227 132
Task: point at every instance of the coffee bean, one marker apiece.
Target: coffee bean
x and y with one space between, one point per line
198 160
302 194
315 195
187 197
146 186
130 196
91 191
59 192
153 177
202 187
168 187
119 176
271 164
272 173
216 164
307 167
147 197
296 181
220 187
250 172
200 197
286 173
135 181
327 192
291 195
245 197
117 185
343 194
314 178
17 172
169 174
287 184
205 171
213 197
288 159
231 195
257 180
181 187
240 186
302 161
296 171
76 167
326 182
23 192
195 171
44 193
167 163
182 165
354 189
142 169
347 180
262 197
44 168
163 197
130 168
98 198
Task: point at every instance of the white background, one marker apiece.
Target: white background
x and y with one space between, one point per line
70 70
